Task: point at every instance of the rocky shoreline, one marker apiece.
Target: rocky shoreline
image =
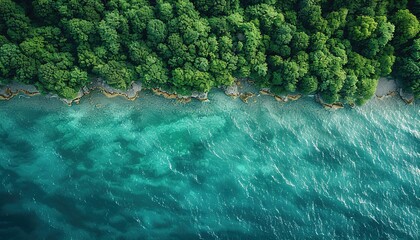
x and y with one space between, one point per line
243 88
10 91
388 87
130 94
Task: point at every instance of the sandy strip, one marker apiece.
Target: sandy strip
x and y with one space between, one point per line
386 87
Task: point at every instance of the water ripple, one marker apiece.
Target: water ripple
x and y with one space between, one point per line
153 169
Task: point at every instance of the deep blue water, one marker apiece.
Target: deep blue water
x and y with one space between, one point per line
158 169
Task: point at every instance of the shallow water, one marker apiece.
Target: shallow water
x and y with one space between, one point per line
158 169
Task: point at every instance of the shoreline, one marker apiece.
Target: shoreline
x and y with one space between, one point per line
389 87
243 88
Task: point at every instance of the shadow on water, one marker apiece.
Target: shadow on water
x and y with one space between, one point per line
107 200
19 223
131 155
22 122
22 151
3 133
364 226
16 222
227 234
79 154
266 137
27 222
192 161
79 215
326 157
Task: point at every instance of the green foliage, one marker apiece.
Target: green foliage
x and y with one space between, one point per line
63 81
117 74
407 26
336 48
80 30
139 17
16 23
300 41
152 72
308 84
348 92
362 28
15 65
156 31
214 8
407 68
164 11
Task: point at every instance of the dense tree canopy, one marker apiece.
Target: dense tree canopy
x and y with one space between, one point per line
336 48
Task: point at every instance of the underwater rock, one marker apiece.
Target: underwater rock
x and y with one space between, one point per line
131 93
9 91
280 98
332 106
165 94
184 99
294 97
232 91
202 96
246 96
406 97
266 91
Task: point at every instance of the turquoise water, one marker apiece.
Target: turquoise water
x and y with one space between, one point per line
158 169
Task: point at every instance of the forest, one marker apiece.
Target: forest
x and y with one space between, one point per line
336 48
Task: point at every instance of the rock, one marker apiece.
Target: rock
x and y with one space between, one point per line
408 98
69 102
333 106
246 96
169 95
157 91
202 96
108 91
3 97
280 98
5 93
386 88
391 94
130 94
14 89
232 91
165 94
66 101
136 86
76 100
266 91
10 91
134 91
337 105
294 97
184 99
85 90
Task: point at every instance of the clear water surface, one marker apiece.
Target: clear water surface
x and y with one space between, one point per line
158 169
